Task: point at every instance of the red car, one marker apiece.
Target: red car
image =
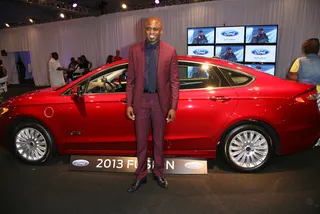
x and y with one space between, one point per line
247 114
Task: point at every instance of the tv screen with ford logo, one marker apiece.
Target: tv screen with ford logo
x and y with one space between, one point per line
261 34
204 51
266 68
232 53
229 35
263 53
200 36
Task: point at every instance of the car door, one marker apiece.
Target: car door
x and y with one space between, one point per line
98 116
204 107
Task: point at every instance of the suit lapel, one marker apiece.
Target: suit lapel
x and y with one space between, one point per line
141 58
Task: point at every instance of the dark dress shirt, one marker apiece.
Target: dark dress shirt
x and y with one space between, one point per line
151 55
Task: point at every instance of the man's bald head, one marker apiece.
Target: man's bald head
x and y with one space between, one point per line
154 20
153 29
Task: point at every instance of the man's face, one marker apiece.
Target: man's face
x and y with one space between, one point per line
261 32
153 30
56 57
229 51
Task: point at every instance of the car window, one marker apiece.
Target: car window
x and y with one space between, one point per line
235 78
108 82
194 75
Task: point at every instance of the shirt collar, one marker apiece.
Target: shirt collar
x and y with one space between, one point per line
150 46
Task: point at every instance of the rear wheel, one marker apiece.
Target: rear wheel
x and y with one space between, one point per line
32 143
247 148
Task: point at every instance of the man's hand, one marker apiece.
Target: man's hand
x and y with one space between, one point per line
130 113
171 115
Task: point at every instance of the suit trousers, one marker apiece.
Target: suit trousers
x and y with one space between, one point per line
149 115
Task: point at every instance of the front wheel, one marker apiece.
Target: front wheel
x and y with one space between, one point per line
32 143
247 148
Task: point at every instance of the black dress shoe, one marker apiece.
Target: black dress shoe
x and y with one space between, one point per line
135 186
163 183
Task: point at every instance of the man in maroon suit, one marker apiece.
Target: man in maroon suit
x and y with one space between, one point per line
152 97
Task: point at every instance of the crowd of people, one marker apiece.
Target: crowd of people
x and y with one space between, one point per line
59 76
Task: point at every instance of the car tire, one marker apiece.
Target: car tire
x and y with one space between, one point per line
247 148
32 143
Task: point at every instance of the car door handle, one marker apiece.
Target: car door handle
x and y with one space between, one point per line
123 100
222 98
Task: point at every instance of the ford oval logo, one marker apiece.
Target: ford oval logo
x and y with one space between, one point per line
80 163
193 165
260 52
229 33
200 51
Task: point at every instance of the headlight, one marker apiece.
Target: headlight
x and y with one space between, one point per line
3 110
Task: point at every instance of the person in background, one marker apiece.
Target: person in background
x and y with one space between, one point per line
109 59
21 68
229 55
85 65
3 71
261 37
73 64
56 71
200 39
307 69
152 97
117 56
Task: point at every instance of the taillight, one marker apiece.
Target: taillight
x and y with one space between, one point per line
308 96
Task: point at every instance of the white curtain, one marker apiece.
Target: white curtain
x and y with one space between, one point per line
97 37
9 63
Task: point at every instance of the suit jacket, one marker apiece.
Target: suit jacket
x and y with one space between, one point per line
167 76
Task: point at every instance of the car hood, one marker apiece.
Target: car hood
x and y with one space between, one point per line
39 96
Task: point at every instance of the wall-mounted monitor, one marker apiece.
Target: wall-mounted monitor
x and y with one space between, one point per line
204 51
229 35
266 68
261 34
200 36
232 53
262 54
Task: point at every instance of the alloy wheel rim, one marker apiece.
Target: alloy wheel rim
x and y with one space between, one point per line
31 144
248 149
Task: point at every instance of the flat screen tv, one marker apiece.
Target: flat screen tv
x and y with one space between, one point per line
262 54
230 35
266 68
261 34
232 53
204 51
201 36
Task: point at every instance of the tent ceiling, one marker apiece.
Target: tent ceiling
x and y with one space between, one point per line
17 12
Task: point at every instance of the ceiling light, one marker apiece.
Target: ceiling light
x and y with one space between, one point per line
31 20
124 6
157 1
61 15
7 25
74 4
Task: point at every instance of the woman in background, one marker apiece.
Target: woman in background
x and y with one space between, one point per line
109 59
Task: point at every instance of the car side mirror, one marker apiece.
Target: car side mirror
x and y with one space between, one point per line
76 91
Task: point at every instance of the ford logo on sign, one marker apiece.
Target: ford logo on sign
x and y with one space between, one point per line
260 52
193 165
229 33
80 163
200 52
